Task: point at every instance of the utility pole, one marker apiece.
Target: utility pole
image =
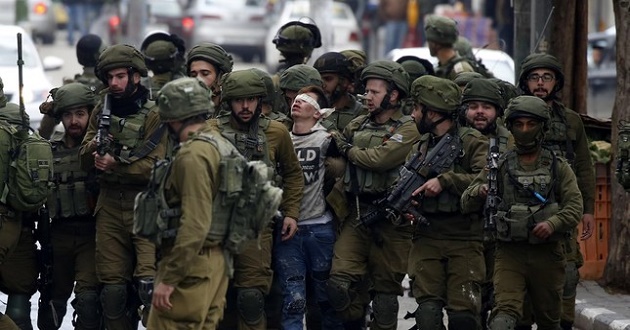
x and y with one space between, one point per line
532 20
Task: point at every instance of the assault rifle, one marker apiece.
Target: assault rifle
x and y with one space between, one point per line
45 260
492 200
414 174
102 134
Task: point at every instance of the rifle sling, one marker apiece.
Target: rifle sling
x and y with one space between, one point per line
146 148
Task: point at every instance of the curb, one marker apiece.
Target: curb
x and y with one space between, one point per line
597 318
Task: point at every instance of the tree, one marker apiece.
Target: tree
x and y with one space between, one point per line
617 269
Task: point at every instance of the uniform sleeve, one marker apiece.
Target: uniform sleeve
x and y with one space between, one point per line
194 177
570 200
470 201
584 167
140 170
474 160
390 154
292 176
87 148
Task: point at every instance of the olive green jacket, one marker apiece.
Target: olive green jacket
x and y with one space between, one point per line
456 225
567 196
456 66
193 180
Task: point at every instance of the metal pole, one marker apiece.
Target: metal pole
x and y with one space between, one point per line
321 11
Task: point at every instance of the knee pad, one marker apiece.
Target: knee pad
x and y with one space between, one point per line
114 300
338 294
429 315
502 322
462 320
250 304
571 279
87 312
49 316
19 310
145 290
385 309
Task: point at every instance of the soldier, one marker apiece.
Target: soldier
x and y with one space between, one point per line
164 56
464 78
482 105
446 260
258 138
304 261
295 41
375 146
71 207
357 60
539 202
88 49
334 69
124 261
295 78
541 75
463 47
271 102
192 276
209 62
416 67
12 230
441 34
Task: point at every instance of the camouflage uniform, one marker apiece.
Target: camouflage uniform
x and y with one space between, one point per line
528 261
443 32
375 151
71 206
268 141
88 49
193 262
566 138
123 258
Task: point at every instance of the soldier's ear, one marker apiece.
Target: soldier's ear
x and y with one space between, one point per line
394 95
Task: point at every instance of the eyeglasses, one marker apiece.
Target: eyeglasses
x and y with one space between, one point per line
547 77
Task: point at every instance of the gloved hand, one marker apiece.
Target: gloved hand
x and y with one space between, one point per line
341 142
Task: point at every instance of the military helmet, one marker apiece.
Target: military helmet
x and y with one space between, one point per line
416 67
89 47
356 59
527 106
463 78
540 61
242 84
162 46
486 91
299 76
389 71
298 38
120 56
508 90
269 86
463 47
439 94
70 96
333 62
184 98
213 54
441 30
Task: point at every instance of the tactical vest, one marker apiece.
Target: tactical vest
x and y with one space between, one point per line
521 191
371 135
73 190
446 201
243 206
258 149
560 138
128 132
339 119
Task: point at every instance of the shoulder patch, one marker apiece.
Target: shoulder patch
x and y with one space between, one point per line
462 66
397 137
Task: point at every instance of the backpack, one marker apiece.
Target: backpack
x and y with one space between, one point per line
30 172
476 64
622 171
244 206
